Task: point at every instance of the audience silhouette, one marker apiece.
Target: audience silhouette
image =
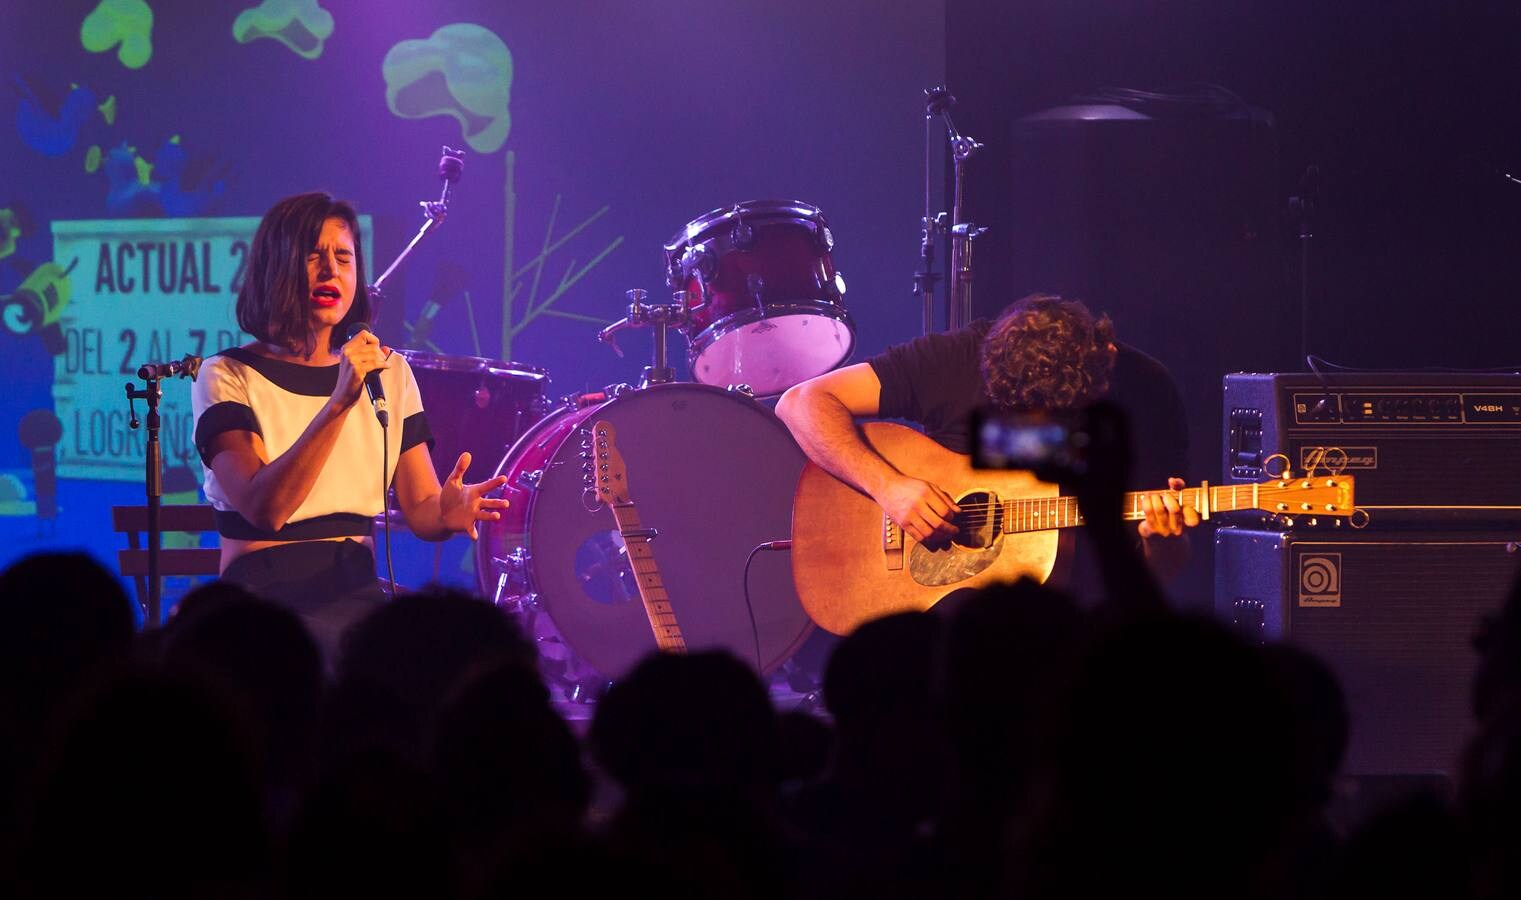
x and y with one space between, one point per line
1012 744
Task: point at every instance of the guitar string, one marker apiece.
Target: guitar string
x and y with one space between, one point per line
1264 494
1030 507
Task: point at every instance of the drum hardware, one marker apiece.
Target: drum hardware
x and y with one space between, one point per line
515 561
743 235
757 286
744 389
530 480
659 316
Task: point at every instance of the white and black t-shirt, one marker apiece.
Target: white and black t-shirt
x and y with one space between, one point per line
238 389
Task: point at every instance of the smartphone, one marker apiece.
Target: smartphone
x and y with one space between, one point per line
1052 444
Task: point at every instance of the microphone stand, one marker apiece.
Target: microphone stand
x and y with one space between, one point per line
1304 206
451 165
958 311
152 374
932 225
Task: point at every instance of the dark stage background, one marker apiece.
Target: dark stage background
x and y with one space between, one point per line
1181 225
631 119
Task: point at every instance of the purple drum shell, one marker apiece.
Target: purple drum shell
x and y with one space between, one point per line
475 404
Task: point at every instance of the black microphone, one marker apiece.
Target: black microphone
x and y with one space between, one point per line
372 382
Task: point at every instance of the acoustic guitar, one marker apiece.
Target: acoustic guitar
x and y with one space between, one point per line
851 563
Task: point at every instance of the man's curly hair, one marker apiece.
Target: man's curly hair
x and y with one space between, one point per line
1047 352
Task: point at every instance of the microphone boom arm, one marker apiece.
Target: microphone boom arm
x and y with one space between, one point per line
450 166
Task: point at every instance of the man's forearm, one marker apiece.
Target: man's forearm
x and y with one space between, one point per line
827 432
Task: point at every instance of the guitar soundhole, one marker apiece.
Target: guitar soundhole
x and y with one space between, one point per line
977 523
974 548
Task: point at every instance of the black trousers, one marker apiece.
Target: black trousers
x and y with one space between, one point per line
329 584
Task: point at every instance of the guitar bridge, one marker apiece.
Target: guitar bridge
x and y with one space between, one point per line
892 544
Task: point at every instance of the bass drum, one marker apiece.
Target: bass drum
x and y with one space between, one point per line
711 471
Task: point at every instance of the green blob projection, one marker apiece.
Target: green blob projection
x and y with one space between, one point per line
301 25
125 22
10 229
461 70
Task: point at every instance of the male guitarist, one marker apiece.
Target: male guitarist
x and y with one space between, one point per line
1042 352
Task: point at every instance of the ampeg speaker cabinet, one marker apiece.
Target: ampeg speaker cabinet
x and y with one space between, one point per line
1392 614
1440 450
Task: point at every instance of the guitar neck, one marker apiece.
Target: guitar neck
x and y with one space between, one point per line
1042 513
641 559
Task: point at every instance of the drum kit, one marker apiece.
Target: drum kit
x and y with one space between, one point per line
712 469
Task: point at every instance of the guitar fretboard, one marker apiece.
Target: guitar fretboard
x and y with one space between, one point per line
1041 513
641 559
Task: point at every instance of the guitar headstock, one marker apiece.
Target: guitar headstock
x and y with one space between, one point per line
611 475
1318 495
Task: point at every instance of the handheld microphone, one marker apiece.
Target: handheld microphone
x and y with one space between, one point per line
372 383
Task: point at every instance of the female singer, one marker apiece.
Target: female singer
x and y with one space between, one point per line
294 455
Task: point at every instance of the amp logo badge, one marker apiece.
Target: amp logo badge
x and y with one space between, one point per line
1320 579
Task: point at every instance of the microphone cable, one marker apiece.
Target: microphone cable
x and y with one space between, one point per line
385 505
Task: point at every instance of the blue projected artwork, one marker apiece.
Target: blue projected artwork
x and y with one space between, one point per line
137 186
48 129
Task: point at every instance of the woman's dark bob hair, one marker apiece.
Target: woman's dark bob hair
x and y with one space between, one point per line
274 304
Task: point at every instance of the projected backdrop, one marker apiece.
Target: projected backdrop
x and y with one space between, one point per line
142 139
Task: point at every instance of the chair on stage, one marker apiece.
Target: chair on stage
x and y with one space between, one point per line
173 560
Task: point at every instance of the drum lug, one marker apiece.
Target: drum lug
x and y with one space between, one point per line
530 480
744 389
743 235
757 286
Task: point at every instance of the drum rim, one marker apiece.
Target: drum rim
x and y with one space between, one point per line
534 582
749 316
427 359
768 209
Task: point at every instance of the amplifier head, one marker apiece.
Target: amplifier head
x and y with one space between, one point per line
1428 449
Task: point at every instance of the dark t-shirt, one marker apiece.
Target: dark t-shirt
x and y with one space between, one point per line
936 381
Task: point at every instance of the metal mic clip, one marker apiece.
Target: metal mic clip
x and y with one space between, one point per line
188 367
451 165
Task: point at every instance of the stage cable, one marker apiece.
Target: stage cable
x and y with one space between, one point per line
750 607
385 506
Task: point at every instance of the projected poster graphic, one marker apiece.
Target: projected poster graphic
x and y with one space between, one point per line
141 290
